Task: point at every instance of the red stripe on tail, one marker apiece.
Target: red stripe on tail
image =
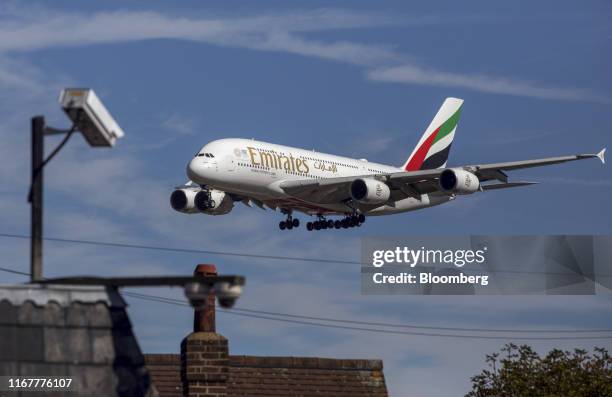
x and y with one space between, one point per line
416 161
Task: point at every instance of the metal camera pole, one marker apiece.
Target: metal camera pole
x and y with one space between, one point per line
88 116
36 198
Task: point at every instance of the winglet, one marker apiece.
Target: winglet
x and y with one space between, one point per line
601 154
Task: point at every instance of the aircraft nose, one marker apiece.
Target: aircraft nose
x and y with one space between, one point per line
194 170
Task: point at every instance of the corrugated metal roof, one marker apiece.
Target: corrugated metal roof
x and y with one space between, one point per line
64 295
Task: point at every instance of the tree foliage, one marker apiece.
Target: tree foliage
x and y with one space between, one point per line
518 371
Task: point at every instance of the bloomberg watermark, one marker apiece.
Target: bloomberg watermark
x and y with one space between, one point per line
470 265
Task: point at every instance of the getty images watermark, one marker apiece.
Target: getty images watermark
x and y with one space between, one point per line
412 257
469 265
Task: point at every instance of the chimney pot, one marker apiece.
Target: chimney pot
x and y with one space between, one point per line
204 317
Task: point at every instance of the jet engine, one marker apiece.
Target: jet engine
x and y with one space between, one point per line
194 200
369 191
213 202
182 200
458 181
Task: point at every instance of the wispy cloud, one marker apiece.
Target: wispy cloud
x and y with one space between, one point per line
278 32
410 74
180 124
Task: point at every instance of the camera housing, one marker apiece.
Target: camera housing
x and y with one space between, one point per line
227 294
197 293
90 117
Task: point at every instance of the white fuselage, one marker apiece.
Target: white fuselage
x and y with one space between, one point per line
255 169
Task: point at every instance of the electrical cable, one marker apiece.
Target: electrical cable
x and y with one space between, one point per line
378 330
389 325
55 151
246 255
184 250
235 312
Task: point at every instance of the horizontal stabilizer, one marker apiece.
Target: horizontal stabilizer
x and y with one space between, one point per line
506 185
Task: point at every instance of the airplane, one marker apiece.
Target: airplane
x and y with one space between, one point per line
290 179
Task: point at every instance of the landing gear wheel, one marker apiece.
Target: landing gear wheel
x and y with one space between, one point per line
330 224
317 225
337 224
344 223
289 223
323 224
361 218
309 226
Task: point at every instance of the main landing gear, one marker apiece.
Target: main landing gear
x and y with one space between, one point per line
354 220
289 224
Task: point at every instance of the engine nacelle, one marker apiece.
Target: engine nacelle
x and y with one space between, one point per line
369 191
458 181
213 202
183 200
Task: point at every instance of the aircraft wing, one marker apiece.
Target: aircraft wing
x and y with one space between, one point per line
486 172
414 183
489 171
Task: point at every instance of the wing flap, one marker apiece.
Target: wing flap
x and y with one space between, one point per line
496 186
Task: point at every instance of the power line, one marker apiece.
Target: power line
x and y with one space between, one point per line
5 269
183 250
377 330
389 325
379 324
176 302
257 256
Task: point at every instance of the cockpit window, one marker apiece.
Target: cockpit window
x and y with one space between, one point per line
204 155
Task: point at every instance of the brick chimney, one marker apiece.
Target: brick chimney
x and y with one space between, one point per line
204 353
204 316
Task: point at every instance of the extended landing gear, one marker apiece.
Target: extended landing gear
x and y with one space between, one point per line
289 224
322 223
354 220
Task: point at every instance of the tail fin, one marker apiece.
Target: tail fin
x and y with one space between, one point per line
434 146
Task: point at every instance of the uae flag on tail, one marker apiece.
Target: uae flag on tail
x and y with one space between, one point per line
434 146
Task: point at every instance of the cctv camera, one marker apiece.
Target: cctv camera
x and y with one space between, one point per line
90 116
227 303
227 294
197 293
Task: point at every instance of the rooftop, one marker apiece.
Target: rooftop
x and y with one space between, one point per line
280 376
81 332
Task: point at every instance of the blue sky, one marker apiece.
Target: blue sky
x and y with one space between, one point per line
347 78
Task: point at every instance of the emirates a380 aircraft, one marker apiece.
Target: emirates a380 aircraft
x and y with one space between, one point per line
289 179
